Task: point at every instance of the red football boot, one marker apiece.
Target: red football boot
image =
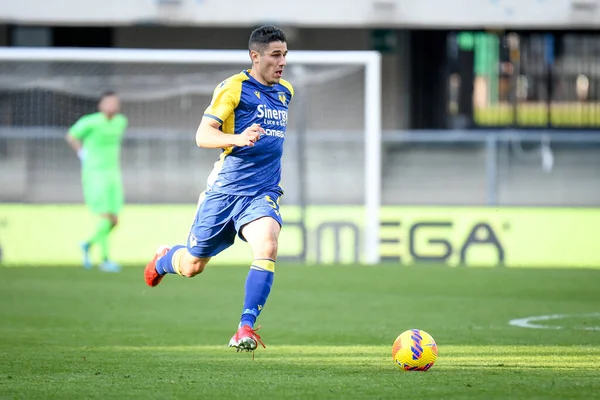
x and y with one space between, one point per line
246 339
152 277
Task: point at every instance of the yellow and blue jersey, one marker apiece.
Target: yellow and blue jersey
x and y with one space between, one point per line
238 102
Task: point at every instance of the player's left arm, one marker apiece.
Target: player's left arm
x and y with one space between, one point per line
125 125
125 122
288 86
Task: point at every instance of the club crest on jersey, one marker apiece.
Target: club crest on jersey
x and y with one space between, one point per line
282 98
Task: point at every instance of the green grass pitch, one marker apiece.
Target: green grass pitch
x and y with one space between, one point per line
67 333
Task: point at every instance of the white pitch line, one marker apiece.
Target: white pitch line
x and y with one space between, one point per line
527 322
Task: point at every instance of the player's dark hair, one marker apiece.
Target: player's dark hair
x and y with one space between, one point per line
107 93
262 36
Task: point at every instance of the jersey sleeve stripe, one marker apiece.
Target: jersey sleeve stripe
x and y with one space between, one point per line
219 120
288 86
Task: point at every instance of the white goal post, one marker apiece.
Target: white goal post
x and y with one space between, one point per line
369 60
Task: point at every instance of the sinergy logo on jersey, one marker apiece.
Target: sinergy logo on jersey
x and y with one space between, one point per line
271 116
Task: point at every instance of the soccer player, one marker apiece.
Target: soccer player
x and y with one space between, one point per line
96 138
247 119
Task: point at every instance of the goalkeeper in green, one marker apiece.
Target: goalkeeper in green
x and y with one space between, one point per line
96 138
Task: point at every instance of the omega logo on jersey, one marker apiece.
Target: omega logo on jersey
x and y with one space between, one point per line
275 132
271 116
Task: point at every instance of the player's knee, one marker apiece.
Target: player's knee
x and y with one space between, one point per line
193 267
268 249
112 218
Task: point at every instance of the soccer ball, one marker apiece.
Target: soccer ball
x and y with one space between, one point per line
414 350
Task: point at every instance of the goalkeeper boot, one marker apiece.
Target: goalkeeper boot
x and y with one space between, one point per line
109 266
85 251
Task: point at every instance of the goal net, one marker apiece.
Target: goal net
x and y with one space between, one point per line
332 156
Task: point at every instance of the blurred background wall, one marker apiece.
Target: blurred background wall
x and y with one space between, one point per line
484 101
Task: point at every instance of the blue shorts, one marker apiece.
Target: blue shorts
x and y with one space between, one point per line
220 217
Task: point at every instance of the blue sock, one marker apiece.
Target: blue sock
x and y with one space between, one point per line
258 287
164 265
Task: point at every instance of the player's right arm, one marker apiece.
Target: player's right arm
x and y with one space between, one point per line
76 134
216 130
74 143
208 135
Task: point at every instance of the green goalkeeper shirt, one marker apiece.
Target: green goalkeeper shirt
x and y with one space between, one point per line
101 140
